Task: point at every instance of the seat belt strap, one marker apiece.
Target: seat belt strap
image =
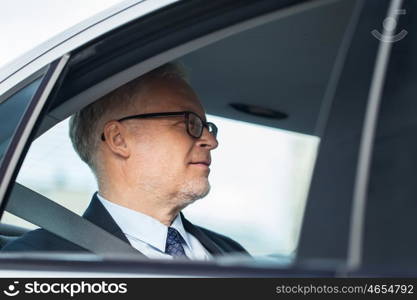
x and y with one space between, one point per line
45 213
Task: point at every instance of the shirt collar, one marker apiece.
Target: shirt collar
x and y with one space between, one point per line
177 224
142 226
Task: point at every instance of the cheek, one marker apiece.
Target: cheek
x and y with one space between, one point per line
160 157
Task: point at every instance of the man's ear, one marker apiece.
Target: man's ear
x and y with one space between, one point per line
115 135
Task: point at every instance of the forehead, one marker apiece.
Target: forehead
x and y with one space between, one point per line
166 95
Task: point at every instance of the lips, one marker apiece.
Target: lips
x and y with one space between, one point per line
201 162
207 163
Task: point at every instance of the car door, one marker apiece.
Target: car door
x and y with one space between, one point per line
390 220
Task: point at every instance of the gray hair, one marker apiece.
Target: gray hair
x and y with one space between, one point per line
86 126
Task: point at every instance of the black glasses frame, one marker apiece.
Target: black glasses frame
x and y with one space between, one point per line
211 127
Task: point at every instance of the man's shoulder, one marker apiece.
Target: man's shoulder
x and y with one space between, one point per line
40 240
226 243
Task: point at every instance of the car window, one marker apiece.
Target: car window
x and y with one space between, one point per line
259 176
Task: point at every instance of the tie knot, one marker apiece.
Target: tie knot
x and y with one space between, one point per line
174 243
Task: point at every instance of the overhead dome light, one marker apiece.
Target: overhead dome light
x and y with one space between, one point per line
259 111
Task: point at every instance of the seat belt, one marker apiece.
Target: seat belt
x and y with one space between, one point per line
43 212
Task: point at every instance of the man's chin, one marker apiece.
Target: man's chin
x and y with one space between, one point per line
193 190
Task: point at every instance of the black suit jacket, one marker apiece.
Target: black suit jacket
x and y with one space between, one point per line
43 240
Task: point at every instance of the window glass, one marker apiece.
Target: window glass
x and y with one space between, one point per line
259 178
11 110
53 169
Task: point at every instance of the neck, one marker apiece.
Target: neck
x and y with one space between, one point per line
158 207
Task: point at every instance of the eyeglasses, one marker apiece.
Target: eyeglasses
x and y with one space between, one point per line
195 125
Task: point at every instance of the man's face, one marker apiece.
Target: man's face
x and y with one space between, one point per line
165 159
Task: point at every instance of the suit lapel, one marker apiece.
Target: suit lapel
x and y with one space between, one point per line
97 214
202 237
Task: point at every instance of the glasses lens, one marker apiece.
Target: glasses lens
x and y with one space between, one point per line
195 125
212 129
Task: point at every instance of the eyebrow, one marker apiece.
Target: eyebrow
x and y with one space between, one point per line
180 121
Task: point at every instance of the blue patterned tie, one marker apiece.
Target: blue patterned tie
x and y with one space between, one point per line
174 243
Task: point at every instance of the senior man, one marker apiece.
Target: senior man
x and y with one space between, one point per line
148 144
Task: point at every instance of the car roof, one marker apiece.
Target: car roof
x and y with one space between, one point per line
98 24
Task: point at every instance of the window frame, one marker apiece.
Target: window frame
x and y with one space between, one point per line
12 158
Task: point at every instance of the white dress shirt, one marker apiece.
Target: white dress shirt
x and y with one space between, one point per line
149 236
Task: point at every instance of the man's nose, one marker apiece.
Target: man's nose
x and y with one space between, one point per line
207 140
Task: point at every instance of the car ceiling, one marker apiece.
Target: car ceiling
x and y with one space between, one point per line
284 65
